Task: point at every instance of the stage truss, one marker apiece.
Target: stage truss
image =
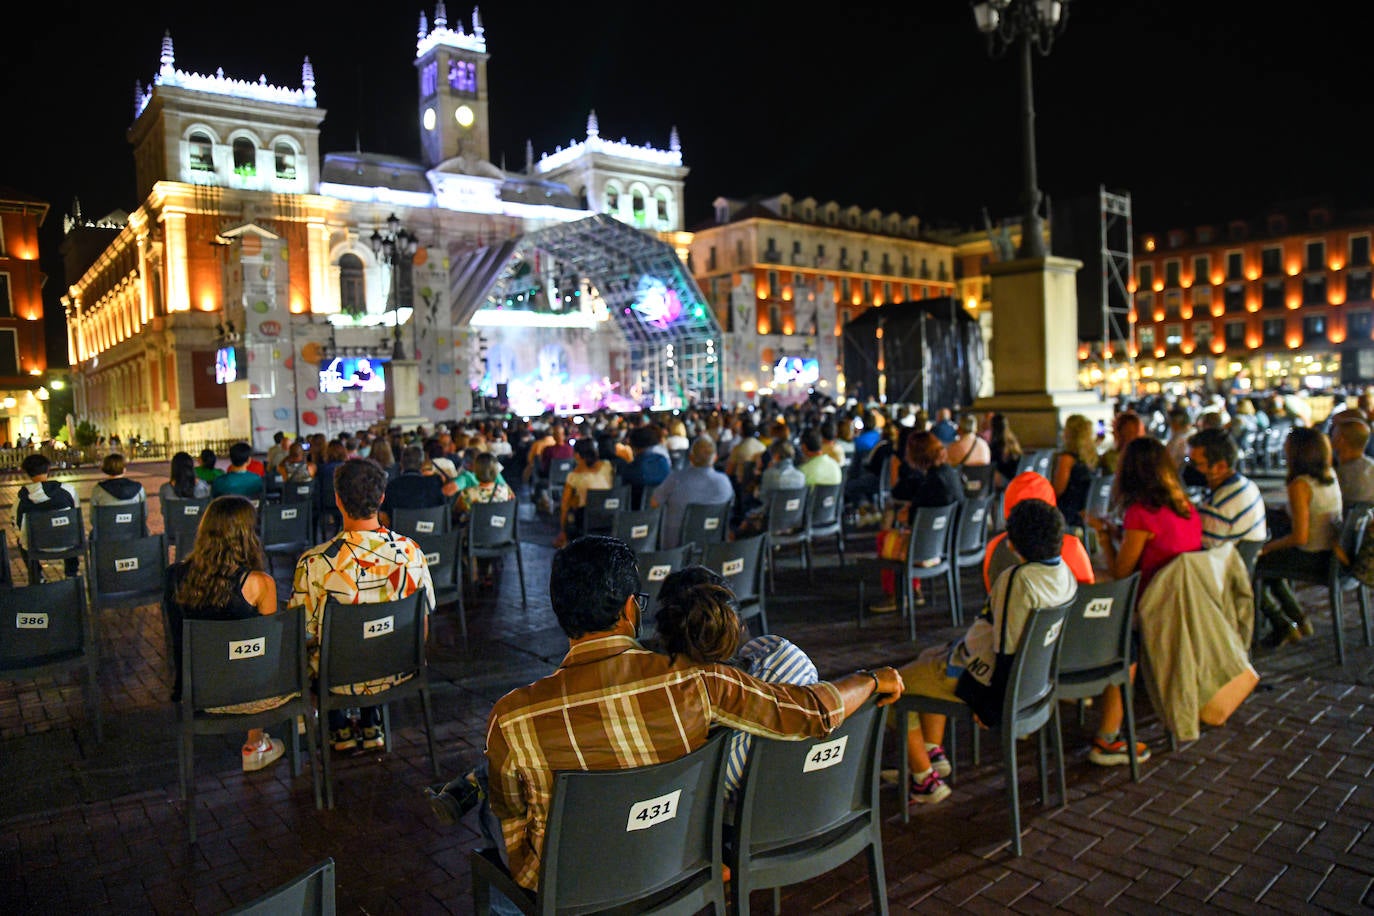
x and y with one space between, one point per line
672 337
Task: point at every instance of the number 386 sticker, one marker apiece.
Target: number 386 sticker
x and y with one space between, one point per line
825 755
652 812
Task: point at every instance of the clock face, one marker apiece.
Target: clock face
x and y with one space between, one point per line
429 119
464 116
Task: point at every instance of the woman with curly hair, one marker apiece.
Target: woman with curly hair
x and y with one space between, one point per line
225 578
1073 469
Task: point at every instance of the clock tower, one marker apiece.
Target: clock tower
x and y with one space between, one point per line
452 65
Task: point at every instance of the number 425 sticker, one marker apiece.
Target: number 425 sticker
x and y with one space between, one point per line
825 755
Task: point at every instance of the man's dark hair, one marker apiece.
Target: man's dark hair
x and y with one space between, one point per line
278 436
748 428
829 430
360 484
208 457
36 465
586 449
811 440
485 467
1036 530
642 437
1217 445
589 581
240 453
412 458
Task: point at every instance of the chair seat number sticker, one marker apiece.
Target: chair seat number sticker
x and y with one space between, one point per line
732 567
639 531
246 648
792 505
432 559
424 527
59 521
652 812
1053 633
660 572
128 564
826 755
498 521
190 510
712 524
1097 608
939 523
611 504
31 621
379 627
978 517
828 502
124 518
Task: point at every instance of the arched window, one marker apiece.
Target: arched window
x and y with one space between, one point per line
352 294
661 207
637 207
202 152
245 157
285 161
612 199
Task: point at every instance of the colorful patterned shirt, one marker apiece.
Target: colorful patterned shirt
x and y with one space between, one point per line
613 704
357 567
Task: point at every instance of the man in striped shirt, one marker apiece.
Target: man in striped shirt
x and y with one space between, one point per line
1234 508
613 704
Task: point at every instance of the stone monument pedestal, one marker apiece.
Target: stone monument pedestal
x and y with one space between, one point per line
403 394
1035 350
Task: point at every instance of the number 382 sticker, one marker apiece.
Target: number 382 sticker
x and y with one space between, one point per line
653 811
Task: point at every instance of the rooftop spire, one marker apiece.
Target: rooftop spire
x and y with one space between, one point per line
593 128
308 79
440 15
138 97
674 144
168 56
529 157
477 24
424 25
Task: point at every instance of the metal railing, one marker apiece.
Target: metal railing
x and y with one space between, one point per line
91 455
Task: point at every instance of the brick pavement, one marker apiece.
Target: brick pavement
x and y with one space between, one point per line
1270 813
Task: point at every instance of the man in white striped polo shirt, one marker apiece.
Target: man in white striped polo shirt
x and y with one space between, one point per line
1234 508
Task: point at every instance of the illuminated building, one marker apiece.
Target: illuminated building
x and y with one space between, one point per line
248 239
23 359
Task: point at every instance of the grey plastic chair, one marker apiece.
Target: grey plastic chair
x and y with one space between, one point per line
128 574
640 528
426 520
366 642
740 563
115 522
598 515
654 567
825 518
559 469
930 555
310 893
446 572
786 527
45 630
229 662
591 862
493 530
180 521
705 523
970 541
286 530
54 535
808 807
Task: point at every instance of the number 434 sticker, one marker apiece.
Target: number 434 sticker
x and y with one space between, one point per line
654 811
825 755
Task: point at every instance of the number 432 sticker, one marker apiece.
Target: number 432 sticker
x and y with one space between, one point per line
825 755
654 811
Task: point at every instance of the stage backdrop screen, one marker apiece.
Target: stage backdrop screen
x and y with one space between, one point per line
352 373
226 366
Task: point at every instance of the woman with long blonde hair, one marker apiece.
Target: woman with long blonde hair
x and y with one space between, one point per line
1073 469
225 578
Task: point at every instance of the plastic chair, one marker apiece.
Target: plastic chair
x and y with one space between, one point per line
640 528
604 818
129 573
705 523
1100 495
559 469
426 520
6 570
1043 462
740 563
807 807
310 893
978 480
446 572
598 515
286 529
654 567
229 662
826 518
931 542
297 492
367 642
1096 650
493 531
1028 706
54 535
115 522
45 631
180 521
970 541
786 527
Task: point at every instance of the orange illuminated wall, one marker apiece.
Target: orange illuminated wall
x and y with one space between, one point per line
22 313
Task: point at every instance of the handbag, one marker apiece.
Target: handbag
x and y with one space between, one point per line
986 699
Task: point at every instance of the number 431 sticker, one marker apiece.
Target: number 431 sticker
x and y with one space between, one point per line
825 755
652 812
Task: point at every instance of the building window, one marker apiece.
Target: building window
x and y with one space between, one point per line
245 157
662 209
1147 277
1202 270
774 286
1278 224
868 290
1359 251
202 153
462 76
352 291
845 291
1271 261
1314 290
1171 272
1173 335
1357 286
1273 331
1235 265
1202 334
1235 333
739 251
285 158
1205 235
1145 305
1359 325
9 352
1173 301
1314 328
6 302
1272 297
1202 297
820 255
1316 255
637 208
887 291
429 79
1146 335
1234 296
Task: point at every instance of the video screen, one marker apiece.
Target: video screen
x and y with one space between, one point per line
352 373
226 366
797 370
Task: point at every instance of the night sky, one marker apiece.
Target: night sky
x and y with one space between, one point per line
1198 115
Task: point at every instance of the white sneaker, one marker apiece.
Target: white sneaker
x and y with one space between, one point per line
264 754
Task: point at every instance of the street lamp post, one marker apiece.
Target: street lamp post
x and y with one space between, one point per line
1031 24
395 249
